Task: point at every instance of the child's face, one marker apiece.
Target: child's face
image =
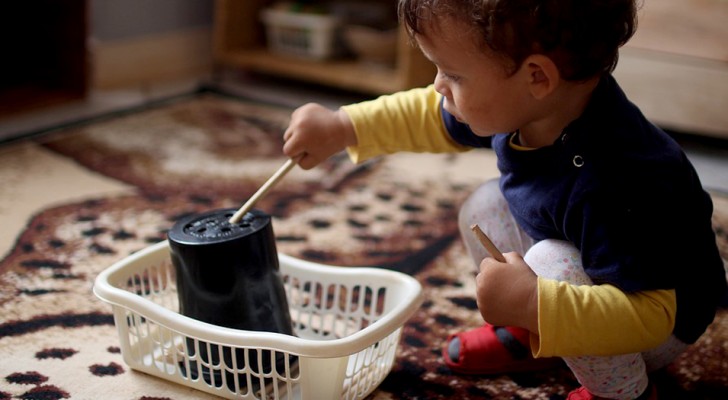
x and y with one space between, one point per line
477 89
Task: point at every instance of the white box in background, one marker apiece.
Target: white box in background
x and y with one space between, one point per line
301 34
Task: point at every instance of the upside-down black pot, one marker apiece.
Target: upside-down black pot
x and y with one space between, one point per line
228 275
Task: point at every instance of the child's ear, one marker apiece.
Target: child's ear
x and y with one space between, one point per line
543 75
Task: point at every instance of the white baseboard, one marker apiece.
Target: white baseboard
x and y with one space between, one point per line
151 59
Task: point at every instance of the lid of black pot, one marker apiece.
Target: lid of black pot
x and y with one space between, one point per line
214 227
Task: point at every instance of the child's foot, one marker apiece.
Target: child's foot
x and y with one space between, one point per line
583 394
492 350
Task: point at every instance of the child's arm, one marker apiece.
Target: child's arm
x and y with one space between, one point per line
601 320
404 121
569 320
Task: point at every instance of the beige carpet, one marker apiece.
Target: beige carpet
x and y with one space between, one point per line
78 199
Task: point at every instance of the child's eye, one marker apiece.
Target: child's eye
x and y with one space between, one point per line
450 77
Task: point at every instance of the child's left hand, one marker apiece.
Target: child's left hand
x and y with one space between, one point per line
507 293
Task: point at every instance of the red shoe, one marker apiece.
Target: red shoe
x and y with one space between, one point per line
493 350
583 394
580 394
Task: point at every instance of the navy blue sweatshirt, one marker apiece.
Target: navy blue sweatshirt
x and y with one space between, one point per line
624 193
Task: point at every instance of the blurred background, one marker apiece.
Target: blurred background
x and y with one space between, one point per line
78 58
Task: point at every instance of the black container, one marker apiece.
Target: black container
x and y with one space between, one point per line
228 275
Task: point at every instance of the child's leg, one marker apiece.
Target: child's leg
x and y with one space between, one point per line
615 377
487 208
664 354
488 349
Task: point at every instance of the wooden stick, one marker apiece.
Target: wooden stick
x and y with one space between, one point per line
282 171
485 241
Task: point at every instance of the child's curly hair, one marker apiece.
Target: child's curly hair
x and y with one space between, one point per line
582 37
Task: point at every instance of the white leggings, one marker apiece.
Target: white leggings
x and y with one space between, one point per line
613 377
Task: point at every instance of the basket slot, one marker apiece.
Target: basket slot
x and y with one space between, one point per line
247 373
367 368
326 310
155 283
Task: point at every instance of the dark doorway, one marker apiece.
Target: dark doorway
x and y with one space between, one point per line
44 60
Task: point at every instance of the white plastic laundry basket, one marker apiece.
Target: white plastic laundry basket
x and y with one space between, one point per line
347 323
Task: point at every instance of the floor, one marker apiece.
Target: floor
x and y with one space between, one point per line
710 157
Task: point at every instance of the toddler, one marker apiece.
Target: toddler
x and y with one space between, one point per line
611 261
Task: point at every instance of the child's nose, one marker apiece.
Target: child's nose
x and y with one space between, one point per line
441 86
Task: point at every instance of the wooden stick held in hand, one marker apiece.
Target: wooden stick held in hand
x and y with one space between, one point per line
485 241
282 171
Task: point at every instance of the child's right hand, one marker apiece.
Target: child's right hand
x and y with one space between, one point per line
507 293
315 133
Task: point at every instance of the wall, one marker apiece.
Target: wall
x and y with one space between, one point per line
142 42
676 65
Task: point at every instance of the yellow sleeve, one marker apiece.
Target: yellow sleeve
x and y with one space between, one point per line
404 121
600 320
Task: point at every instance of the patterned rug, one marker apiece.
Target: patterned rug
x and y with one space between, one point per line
75 200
